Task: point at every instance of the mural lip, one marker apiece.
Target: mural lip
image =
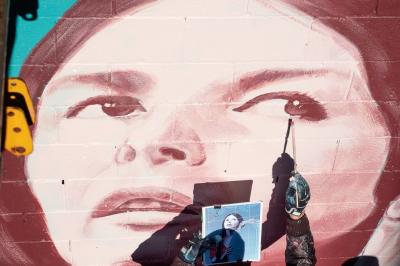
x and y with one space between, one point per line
143 199
175 220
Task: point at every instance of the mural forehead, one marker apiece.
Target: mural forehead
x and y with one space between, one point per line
224 37
185 103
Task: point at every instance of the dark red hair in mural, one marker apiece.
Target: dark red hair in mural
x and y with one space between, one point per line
25 240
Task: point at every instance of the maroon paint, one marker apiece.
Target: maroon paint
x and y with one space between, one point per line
112 105
307 108
377 40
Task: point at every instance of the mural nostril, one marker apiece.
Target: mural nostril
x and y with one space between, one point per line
174 153
125 154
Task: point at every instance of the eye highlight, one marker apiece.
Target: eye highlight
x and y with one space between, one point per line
298 104
111 105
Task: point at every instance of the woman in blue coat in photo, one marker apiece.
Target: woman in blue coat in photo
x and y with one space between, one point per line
226 244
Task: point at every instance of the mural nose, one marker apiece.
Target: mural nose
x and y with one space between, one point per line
191 153
175 154
179 142
125 153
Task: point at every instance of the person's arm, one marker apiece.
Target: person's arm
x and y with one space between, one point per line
178 262
299 242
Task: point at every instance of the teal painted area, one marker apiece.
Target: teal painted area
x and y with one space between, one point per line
29 33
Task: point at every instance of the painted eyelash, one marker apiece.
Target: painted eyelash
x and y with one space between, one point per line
315 111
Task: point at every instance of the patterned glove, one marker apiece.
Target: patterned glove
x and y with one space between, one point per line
192 250
297 195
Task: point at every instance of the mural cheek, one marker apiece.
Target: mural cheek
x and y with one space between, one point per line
315 156
95 245
69 162
103 252
335 219
92 131
253 158
91 149
371 155
93 143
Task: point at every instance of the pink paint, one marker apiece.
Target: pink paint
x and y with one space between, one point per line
166 150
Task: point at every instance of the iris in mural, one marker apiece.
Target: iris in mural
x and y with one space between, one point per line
134 109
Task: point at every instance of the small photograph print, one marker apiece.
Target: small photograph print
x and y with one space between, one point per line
232 232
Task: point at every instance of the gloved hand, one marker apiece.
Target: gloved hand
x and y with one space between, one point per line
192 250
297 195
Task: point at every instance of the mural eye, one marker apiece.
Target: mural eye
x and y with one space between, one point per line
114 106
121 106
292 103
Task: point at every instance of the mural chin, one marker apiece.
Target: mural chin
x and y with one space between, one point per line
173 102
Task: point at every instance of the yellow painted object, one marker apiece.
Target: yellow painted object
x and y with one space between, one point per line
19 116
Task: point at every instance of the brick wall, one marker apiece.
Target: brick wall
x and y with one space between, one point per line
148 110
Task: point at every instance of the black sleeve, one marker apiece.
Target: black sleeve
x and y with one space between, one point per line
299 243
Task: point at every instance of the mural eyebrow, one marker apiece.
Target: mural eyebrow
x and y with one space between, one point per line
255 80
126 81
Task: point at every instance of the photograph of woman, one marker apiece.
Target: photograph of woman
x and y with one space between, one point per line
137 101
226 244
231 232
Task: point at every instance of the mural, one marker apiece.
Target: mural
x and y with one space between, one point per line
148 110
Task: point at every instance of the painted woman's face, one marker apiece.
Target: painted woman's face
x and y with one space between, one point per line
231 222
170 96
